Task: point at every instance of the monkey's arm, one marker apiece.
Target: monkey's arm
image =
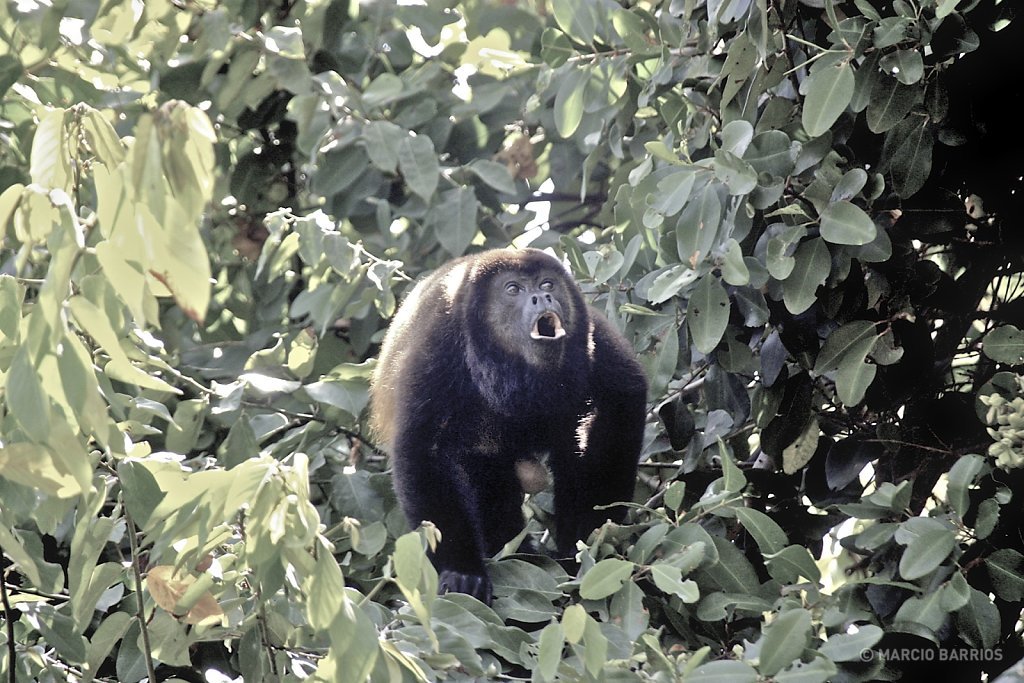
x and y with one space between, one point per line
605 472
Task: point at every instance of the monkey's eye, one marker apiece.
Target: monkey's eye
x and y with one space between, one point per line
513 288
547 285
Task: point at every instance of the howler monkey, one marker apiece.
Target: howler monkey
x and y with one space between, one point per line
493 361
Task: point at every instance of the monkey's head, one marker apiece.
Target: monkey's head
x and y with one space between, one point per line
526 305
527 317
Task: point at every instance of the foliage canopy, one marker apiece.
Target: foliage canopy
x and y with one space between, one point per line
800 212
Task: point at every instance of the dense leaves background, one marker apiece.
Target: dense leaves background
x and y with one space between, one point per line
805 215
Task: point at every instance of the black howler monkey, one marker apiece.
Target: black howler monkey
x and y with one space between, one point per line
492 361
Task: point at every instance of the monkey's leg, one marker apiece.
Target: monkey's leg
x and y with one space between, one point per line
438 489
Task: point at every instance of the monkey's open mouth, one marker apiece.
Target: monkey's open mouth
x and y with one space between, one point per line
548 326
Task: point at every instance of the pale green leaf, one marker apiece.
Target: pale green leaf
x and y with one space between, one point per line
855 375
605 578
829 91
419 166
925 552
1004 344
734 268
768 535
549 653
812 265
849 647
670 580
707 313
569 101
382 141
784 640
843 222
800 452
841 342
723 671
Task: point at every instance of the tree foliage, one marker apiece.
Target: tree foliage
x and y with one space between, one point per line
800 212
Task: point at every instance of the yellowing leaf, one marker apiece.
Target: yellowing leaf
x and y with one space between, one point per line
34 466
800 452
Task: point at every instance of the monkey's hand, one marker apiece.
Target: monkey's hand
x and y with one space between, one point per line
477 585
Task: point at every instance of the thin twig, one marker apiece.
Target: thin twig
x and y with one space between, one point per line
140 603
9 622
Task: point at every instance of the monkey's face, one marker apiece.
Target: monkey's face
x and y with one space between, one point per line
532 312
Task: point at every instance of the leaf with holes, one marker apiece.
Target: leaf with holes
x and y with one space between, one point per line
1004 344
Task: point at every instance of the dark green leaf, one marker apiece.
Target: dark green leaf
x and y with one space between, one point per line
890 102
908 151
1006 570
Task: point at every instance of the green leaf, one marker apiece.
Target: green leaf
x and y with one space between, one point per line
734 172
26 399
906 65
382 140
732 475
845 223
734 268
890 103
818 670
978 622
1004 344
673 191
812 265
855 375
1006 570
891 31
454 219
605 578
850 647
925 552
549 652
578 18
840 343
555 48
707 313
723 671
800 452
773 153
908 153
10 71
569 101
945 8
784 640
418 163
383 90
494 175
669 580
793 563
763 529
829 91
697 226
961 478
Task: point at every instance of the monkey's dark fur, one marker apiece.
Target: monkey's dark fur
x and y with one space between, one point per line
492 361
